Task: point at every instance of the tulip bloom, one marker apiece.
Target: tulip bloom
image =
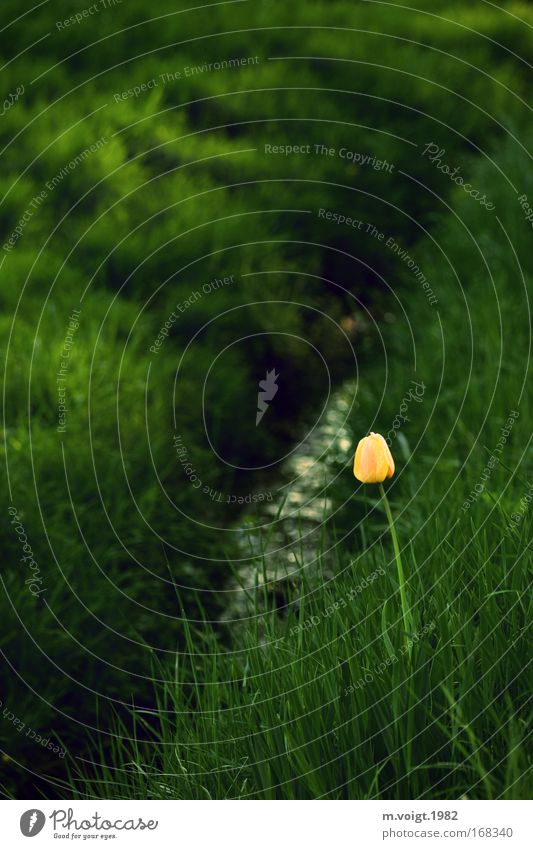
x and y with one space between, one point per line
373 461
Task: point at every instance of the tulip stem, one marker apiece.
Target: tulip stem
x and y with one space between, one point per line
401 577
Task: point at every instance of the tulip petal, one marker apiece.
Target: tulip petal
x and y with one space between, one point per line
373 460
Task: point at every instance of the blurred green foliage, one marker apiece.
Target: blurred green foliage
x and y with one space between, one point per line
181 191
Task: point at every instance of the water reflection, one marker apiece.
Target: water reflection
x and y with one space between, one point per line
291 526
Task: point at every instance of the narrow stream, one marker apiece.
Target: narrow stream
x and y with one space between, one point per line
286 531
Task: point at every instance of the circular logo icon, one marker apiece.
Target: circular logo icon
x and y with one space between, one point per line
32 822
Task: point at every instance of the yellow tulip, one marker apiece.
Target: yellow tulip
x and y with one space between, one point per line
373 461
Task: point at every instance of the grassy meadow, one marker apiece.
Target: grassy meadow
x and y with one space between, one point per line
181 181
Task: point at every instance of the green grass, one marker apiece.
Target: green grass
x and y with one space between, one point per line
165 205
318 698
289 714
